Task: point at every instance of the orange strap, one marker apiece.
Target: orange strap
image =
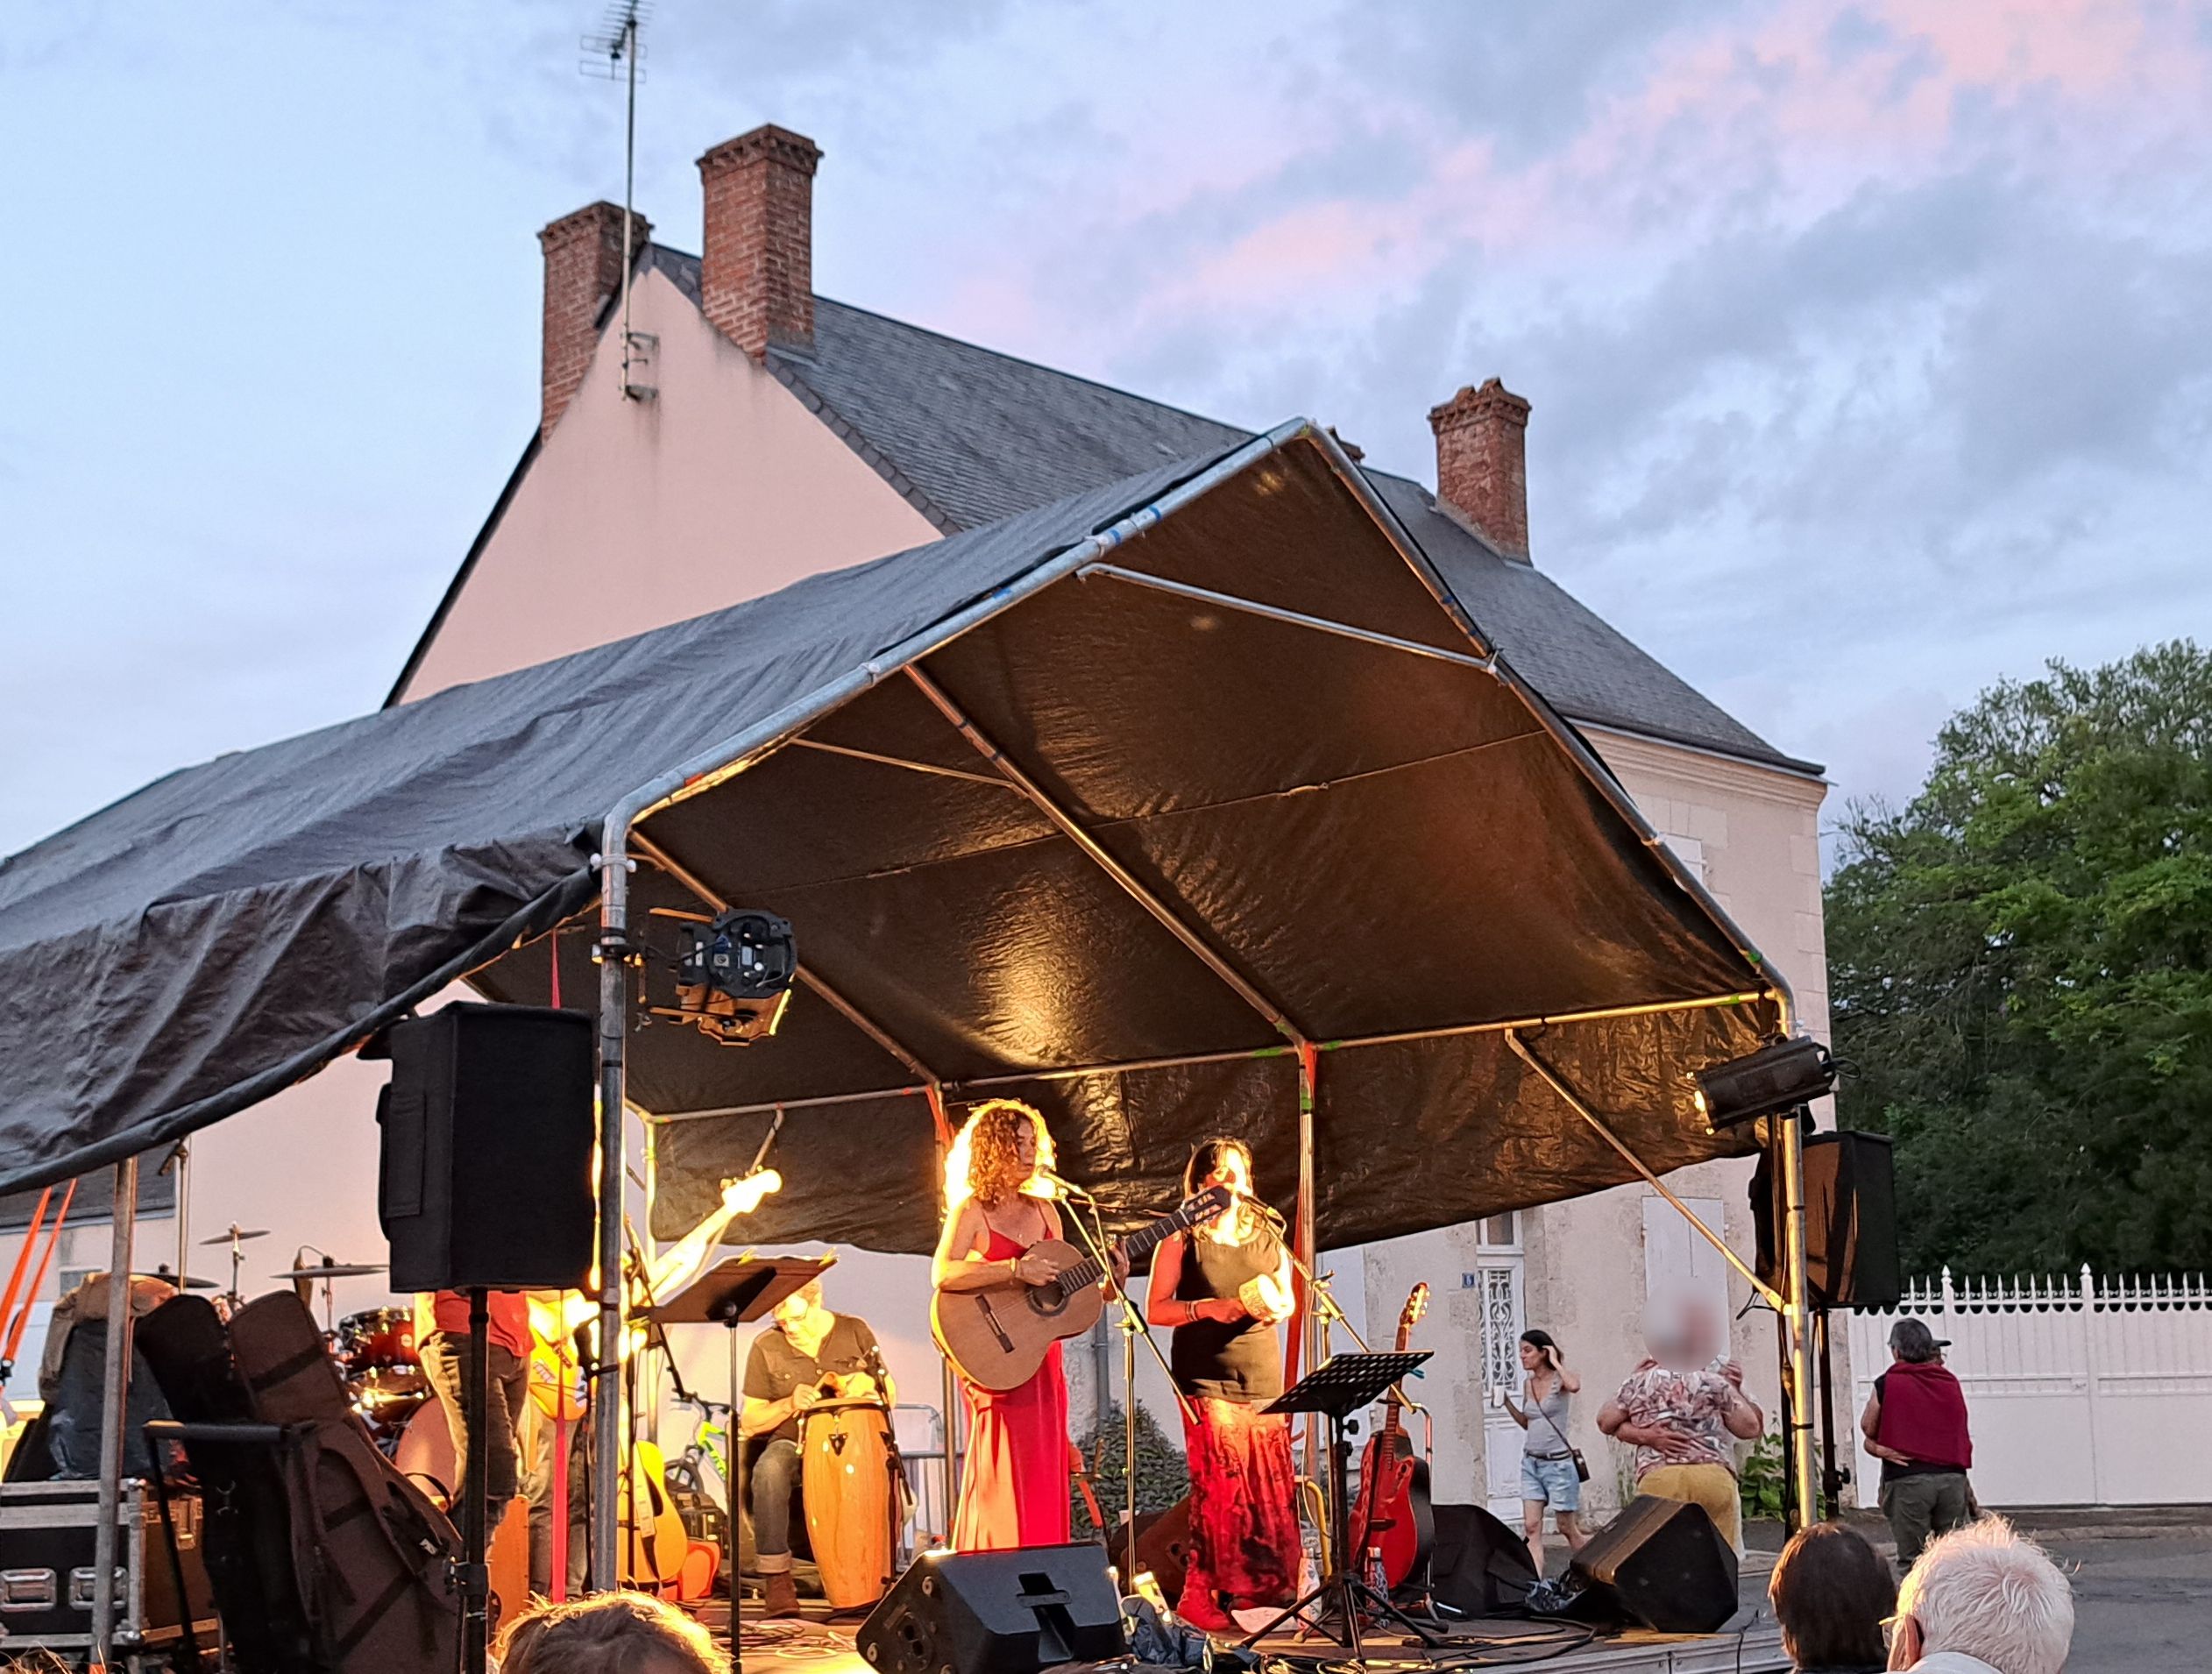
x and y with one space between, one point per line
23 1260
45 1261
1082 1480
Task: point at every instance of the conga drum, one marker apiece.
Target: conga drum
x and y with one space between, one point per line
845 1474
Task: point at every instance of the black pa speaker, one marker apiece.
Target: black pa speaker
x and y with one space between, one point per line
1480 1566
1663 1564
485 1176
996 1613
1851 1220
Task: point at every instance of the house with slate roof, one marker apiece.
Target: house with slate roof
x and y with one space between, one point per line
748 432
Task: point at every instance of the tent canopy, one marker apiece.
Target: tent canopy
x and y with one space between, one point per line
1120 846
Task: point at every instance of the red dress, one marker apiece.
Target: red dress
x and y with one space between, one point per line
1013 1489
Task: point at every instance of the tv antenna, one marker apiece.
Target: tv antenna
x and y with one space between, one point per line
616 52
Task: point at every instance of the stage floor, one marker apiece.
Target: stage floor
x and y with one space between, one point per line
1751 1643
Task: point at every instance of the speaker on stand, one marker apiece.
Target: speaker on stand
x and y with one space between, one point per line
484 1183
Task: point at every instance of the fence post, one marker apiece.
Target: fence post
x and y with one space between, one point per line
2089 1375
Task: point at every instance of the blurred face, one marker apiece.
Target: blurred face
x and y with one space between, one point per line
1230 1170
796 1310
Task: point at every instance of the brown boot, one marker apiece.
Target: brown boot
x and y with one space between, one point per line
778 1596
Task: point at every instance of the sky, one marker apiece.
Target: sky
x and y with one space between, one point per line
1868 345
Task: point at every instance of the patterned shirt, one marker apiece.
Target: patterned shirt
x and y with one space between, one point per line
1691 1404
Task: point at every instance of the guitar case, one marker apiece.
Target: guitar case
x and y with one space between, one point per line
374 1557
247 1518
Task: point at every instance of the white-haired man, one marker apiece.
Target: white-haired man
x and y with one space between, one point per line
1983 1600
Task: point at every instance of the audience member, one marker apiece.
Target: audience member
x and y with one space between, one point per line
1984 1601
1681 1407
1832 1592
1916 1424
612 1633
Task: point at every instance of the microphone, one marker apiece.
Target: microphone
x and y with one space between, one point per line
1056 1187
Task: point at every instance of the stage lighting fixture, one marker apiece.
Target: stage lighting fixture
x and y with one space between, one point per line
734 974
1781 1075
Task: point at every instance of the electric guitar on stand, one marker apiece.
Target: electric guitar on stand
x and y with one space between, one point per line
1392 1528
996 1337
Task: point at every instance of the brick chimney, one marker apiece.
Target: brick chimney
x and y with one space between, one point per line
1482 464
756 272
583 268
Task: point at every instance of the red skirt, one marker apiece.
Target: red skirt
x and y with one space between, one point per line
1013 1489
1244 1544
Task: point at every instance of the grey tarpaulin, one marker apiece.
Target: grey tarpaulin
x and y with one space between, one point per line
1385 844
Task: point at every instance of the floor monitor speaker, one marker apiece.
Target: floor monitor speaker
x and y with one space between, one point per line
996 1613
1663 1564
485 1169
1481 1567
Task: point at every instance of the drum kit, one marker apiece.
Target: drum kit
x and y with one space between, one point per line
374 1349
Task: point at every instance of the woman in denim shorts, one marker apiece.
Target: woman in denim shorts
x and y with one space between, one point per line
1548 1474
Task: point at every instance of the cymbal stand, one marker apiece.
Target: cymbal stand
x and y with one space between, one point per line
1132 1326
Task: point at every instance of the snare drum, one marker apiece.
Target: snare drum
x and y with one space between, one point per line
376 1339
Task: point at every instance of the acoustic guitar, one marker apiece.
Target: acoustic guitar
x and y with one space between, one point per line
996 1337
1393 1525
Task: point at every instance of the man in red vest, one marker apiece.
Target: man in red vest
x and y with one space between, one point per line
1916 1424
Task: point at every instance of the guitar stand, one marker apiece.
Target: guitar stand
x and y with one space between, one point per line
1345 1385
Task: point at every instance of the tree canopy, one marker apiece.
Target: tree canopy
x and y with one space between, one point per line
2019 974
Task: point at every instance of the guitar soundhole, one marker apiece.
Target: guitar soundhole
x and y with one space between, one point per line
1047 1300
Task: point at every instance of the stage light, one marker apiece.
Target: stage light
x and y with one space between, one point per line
734 974
1779 1076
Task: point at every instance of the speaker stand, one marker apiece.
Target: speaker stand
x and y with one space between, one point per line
475 1575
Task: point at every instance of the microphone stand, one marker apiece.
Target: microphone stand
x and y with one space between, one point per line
1132 1327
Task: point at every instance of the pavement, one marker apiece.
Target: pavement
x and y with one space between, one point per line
2142 1580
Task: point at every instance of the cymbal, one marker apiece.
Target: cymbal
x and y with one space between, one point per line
240 1233
332 1270
190 1282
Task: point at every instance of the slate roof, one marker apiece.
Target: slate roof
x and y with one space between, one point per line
971 436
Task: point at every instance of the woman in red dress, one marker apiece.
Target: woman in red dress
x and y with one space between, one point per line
1223 1288
1014 1487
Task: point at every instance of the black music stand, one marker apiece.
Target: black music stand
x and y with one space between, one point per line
1340 1386
738 1292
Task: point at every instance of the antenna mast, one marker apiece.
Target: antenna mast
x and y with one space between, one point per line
618 51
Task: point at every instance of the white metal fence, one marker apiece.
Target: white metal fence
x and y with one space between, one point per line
2081 1391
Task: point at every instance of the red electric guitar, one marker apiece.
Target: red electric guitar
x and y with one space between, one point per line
1391 1519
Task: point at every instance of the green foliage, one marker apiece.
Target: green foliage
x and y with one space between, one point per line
1162 1476
2020 970
1764 1478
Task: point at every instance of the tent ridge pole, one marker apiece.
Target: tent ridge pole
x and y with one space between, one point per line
1567 1095
1279 613
1131 884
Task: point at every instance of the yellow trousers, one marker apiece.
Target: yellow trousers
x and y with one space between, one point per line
1713 1486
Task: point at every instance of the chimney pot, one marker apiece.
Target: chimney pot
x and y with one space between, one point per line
756 269
1482 464
583 268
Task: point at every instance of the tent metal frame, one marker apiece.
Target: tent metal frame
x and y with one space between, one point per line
1090 559
616 953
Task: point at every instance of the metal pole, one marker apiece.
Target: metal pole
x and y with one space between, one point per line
114 1415
1796 1321
1309 1343
184 1210
606 1384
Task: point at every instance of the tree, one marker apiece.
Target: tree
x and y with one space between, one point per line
2020 968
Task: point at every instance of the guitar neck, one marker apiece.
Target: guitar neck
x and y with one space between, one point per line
1137 1245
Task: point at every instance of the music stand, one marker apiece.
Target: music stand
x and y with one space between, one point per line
738 1292
1340 1386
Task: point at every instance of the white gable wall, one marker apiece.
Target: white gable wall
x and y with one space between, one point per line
636 514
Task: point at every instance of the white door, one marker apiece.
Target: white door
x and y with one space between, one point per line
1498 1276
1677 1254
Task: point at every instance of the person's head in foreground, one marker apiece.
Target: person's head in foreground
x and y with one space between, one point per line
1981 1598
612 1633
1832 1592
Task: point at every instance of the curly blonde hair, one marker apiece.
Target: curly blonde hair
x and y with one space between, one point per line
612 1633
982 1162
